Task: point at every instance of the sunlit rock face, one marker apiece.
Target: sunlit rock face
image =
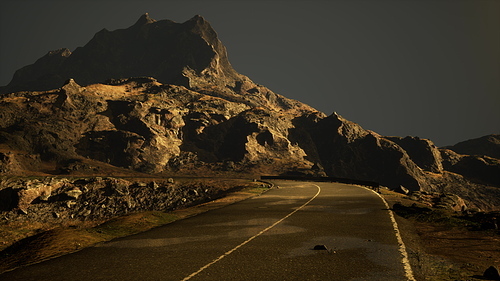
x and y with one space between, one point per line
161 96
141 124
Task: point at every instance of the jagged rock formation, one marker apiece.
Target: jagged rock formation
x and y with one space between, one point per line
162 96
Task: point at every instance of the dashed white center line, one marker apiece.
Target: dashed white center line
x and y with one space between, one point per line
251 238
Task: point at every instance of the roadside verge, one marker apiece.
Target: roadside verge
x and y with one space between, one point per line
61 241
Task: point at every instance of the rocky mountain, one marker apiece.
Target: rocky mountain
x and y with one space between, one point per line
162 97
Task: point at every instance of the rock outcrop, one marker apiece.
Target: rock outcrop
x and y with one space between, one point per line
99 198
346 150
422 151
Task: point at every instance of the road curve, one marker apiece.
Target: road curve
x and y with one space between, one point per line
269 237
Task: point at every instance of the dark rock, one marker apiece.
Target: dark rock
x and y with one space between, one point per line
421 151
492 273
320 247
44 74
154 185
346 150
72 166
8 199
121 187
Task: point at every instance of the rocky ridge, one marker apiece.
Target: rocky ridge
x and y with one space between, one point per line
484 146
162 97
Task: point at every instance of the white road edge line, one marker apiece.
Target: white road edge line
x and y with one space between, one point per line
402 247
253 237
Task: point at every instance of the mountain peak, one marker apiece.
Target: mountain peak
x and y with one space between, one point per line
144 19
197 18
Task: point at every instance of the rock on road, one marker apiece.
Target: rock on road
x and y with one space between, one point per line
269 237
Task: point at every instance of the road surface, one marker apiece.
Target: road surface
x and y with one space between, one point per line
269 237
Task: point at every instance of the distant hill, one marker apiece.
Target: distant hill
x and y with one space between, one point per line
487 145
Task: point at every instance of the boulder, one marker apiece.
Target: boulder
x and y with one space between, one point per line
30 190
492 273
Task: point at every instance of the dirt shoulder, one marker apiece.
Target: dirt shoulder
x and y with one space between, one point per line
445 248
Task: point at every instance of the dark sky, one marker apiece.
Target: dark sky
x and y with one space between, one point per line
420 68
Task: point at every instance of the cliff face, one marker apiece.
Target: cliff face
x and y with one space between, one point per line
162 96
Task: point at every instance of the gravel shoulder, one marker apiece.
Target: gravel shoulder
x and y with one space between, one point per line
440 252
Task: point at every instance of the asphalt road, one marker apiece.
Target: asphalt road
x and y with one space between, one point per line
269 237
